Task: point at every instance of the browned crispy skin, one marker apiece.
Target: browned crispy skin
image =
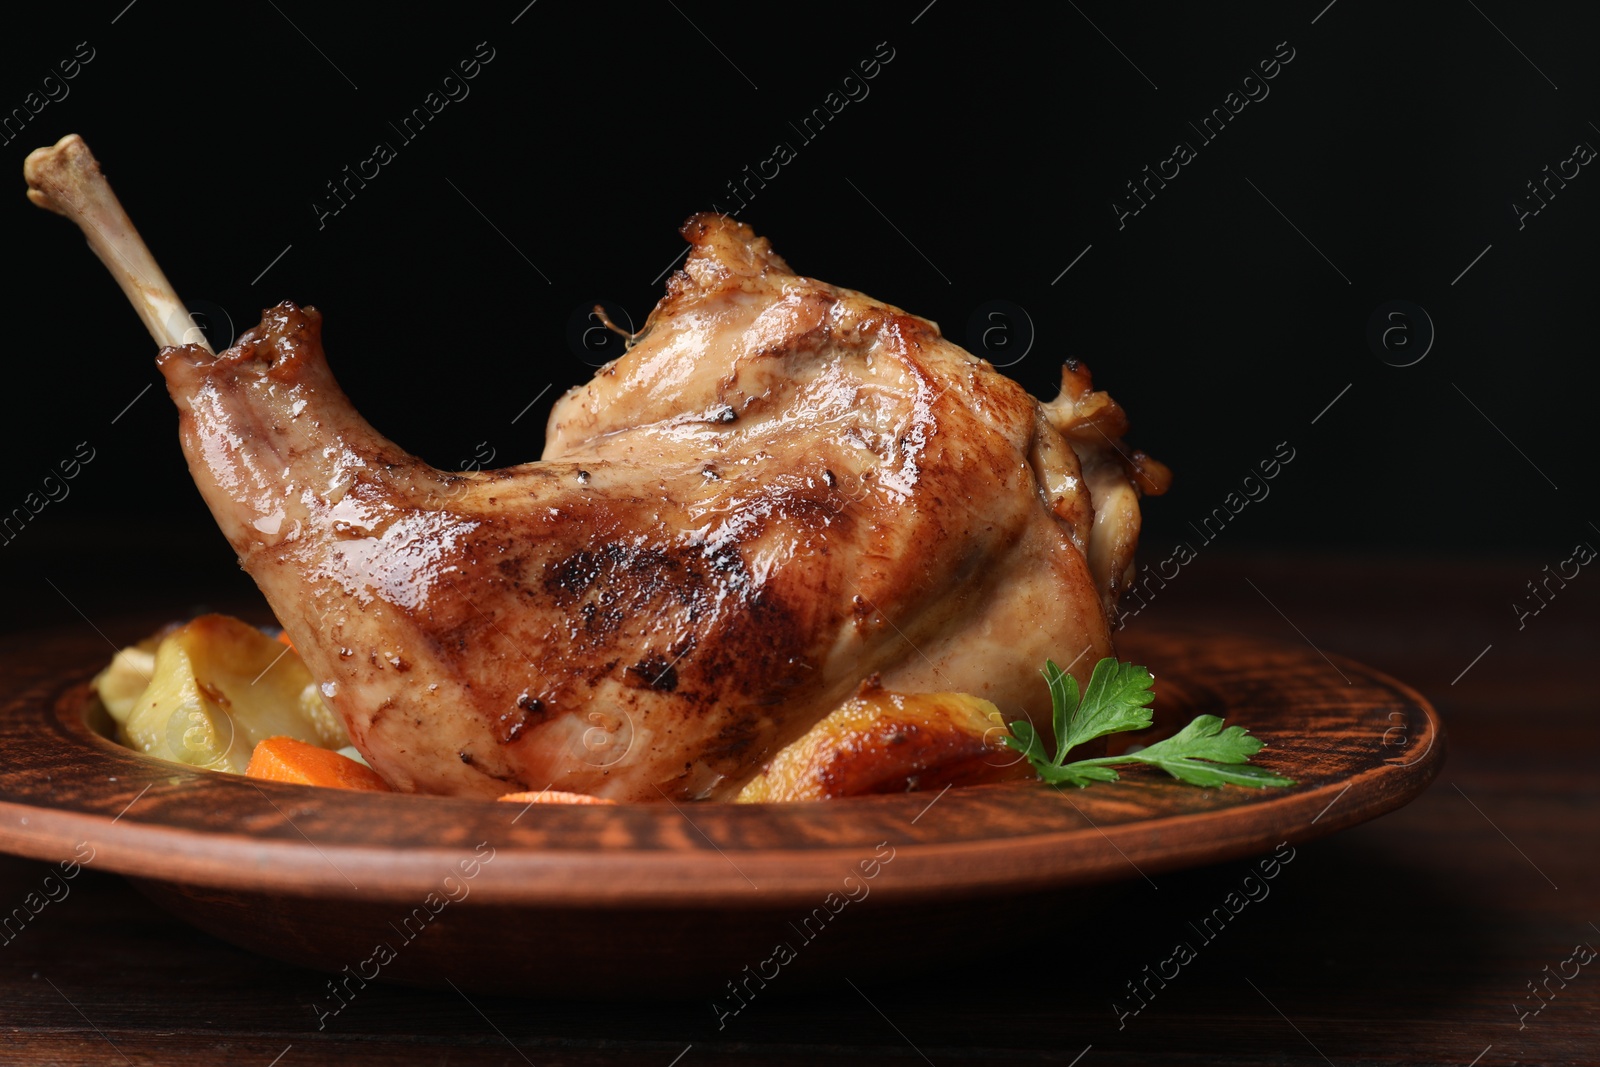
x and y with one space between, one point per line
783 488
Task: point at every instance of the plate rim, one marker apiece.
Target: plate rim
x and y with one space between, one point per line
531 876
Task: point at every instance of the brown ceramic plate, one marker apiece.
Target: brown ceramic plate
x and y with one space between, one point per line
675 900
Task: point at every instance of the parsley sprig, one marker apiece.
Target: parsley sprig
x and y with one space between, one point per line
1117 699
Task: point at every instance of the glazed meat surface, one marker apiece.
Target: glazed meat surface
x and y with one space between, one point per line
781 489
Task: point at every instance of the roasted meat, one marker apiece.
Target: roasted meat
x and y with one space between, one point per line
781 489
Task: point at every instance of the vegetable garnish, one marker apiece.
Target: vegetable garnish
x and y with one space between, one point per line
285 759
1117 699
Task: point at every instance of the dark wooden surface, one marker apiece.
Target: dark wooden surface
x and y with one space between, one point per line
1411 939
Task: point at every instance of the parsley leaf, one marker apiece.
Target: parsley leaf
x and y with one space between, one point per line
1117 699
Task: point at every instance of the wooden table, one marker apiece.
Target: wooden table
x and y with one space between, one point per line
1413 939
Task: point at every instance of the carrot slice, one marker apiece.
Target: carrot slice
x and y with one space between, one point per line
283 639
553 796
283 759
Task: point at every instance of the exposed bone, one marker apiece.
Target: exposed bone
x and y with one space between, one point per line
66 179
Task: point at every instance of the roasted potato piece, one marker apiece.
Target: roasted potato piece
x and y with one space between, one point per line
884 742
124 681
216 687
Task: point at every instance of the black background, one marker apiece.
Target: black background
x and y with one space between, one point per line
984 160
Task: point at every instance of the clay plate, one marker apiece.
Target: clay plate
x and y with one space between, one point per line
656 899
